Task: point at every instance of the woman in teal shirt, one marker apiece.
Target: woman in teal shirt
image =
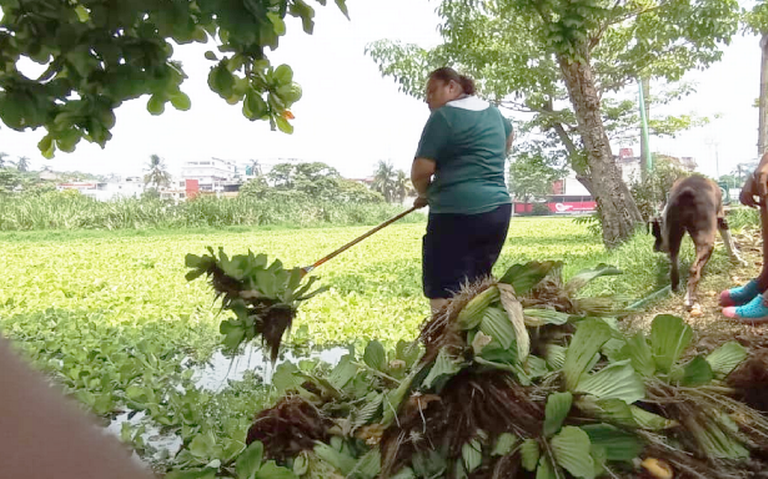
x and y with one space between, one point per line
458 171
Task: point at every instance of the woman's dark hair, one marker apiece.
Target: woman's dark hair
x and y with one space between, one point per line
447 74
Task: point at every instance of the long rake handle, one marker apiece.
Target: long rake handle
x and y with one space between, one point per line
317 263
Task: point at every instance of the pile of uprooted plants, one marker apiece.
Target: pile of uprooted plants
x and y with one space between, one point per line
525 377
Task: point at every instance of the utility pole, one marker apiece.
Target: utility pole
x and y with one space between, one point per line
717 160
646 161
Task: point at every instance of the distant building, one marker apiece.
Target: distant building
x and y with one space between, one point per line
630 165
176 190
569 186
130 187
49 175
363 181
211 174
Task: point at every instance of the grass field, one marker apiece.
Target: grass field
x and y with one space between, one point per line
111 317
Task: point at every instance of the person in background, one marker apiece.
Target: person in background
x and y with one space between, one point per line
749 302
43 435
458 171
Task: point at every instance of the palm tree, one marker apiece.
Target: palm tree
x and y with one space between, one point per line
22 164
157 173
384 180
254 169
402 187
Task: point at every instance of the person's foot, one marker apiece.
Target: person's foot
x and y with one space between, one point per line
739 295
756 311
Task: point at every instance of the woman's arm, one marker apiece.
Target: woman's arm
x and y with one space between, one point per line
756 185
421 176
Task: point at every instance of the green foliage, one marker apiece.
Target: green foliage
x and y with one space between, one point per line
756 19
534 56
651 192
98 56
510 46
726 358
392 184
13 180
590 336
312 179
40 208
540 209
571 450
532 173
307 182
557 409
157 173
670 337
122 331
263 297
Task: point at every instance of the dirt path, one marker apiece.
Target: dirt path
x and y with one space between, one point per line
712 328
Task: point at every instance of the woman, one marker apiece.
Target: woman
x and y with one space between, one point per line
459 172
749 303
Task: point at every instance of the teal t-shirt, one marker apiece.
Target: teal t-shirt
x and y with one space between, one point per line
467 140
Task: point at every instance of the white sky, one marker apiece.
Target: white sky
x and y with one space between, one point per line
350 117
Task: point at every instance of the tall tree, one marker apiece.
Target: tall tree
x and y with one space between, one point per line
385 180
312 178
558 59
532 173
254 168
403 187
157 174
99 54
22 164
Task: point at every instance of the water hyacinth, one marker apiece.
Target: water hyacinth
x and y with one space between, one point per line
513 377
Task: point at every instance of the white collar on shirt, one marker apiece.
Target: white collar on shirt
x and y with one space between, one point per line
471 103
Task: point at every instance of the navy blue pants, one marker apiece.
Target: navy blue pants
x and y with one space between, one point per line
461 248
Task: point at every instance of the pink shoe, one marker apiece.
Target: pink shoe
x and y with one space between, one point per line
740 295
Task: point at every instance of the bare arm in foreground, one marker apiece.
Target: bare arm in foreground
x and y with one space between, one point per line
44 435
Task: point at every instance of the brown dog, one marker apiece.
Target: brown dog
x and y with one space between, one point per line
694 205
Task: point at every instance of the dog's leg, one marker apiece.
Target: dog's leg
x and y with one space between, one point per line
674 237
704 247
730 247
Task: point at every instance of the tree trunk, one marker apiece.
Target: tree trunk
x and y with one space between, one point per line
618 210
762 129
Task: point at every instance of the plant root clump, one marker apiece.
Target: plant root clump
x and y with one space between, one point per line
472 402
750 380
291 426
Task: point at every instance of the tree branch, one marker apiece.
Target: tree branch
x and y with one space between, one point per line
570 147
